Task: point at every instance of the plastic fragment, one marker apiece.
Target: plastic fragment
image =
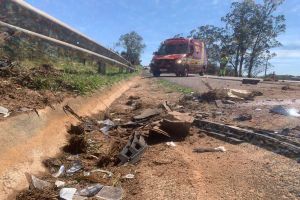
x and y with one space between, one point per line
67 193
38 183
110 193
128 176
109 174
4 111
108 124
172 144
91 190
60 171
59 184
75 167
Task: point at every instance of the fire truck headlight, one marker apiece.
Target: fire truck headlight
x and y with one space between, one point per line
179 61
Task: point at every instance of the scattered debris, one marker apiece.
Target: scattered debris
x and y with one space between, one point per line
108 173
219 103
148 113
202 150
60 171
286 87
133 150
75 167
228 94
184 117
250 81
5 63
171 144
59 184
4 111
91 190
281 110
237 135
157 130
37 183
165 104
110 193
243 117
228 102
128 176
108 124
67 109
175 128
67 193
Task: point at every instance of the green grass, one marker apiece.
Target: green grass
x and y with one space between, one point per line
173 87
76 77
81 83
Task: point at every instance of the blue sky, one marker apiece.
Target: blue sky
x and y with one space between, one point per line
156 20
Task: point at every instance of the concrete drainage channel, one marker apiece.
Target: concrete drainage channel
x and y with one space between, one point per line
28 139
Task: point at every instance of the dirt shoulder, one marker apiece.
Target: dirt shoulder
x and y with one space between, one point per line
25 89
244 171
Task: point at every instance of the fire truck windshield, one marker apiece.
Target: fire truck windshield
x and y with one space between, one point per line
167 49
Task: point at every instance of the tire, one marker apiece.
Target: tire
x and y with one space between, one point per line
201 73
156 73
184 72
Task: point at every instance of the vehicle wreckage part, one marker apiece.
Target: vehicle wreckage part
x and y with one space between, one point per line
270 140
133 150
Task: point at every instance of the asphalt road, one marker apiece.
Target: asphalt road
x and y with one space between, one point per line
202 83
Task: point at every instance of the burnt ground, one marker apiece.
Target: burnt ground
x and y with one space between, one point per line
244 171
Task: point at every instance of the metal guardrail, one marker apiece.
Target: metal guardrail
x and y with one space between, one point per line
20 16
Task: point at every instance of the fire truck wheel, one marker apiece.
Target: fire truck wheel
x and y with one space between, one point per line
186 72
156 73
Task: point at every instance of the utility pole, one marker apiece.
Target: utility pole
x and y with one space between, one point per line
266 68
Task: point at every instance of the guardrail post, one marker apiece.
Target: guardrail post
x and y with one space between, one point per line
101 68
120 69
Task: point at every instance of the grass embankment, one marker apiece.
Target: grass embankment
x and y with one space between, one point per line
76 77
173 87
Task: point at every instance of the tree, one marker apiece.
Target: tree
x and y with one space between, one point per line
239 22
264 32
133 47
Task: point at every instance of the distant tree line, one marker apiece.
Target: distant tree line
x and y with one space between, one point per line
133 47
250 32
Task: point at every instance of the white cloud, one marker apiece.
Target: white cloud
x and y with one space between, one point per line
283 53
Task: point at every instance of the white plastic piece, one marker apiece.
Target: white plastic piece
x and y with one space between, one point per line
60 171
172 144
67 193
59 184
220 148
129 176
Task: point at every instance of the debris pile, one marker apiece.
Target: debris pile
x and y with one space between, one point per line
100 154
266 139
228 94
281 110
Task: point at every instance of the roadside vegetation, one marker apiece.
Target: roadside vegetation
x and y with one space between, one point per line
247 36
72 77
173 87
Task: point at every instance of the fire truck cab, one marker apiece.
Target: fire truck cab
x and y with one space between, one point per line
180 56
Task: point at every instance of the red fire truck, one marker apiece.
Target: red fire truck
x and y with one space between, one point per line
180 56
